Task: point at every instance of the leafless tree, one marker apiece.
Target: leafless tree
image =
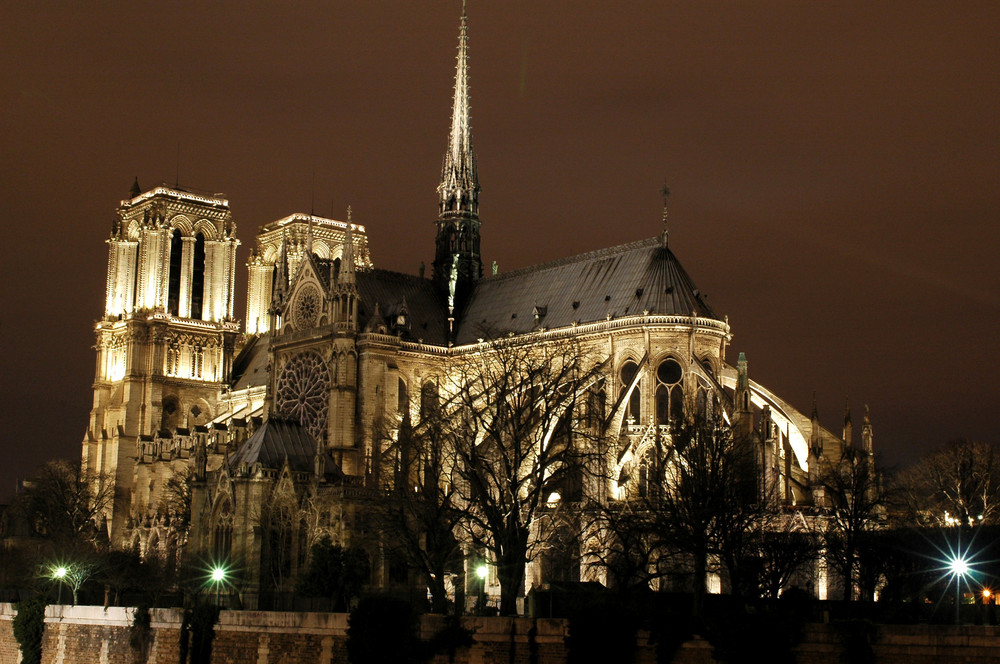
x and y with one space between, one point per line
955 484
855 505
416 503
708 500
520 444
59 503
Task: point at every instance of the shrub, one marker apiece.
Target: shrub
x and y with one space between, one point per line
29 624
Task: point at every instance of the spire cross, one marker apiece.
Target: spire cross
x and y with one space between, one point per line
666 194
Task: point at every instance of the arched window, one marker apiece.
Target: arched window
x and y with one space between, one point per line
626 376
222 540
669 393
174 278
198 277
402 399
428 399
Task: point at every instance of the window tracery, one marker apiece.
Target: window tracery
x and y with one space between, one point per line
303 392
307 306
625 378
669 391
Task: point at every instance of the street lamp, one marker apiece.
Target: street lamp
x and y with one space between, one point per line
59 574
481 572
959 567
218 578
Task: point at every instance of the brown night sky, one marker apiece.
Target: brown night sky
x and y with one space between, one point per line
834 169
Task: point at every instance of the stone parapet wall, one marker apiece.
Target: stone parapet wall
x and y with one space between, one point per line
93 635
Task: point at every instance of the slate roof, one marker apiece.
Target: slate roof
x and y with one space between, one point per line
619 281
250 366
425 306
278 439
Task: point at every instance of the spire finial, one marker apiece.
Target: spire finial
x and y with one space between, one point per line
665 191
347 265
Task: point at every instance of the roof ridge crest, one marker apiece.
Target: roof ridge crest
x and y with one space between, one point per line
596 253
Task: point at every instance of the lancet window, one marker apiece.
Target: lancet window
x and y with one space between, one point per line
669 392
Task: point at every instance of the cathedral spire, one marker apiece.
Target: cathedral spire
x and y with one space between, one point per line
459 188
458 193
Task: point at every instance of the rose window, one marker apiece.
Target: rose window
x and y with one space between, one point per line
306 308
303 393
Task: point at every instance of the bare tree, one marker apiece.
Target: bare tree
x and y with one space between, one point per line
417 504
955 484
855 501
59 503
707 499
520 448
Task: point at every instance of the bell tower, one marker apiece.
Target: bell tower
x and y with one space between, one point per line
165 344
457 261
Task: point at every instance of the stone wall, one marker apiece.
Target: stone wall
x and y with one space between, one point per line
93 635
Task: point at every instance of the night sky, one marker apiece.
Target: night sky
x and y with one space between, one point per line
834 169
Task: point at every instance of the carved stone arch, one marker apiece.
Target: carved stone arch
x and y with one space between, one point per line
153 544
321 248
206 228
200 412
171 413
133 231
270 254
182 223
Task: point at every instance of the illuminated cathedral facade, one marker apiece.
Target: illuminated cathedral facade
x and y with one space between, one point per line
283 415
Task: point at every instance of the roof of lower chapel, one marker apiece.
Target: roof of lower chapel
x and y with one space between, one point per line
632 279
278 440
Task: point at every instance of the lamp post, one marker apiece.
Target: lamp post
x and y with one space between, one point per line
959 568
59 574
481 572
218 578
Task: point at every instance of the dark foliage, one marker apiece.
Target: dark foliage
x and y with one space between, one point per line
197 633
140 632
29 625
334 573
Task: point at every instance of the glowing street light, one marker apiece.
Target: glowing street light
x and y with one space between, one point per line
481 572
218 577
959 567
59 574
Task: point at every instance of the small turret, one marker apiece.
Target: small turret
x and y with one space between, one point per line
867 435
848 427
743 416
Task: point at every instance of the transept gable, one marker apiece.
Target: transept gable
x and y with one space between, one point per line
306 306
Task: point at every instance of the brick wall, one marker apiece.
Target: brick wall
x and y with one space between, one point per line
92 635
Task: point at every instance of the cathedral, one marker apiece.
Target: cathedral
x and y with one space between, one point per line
207 428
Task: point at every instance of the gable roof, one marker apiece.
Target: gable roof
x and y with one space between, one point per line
424 305
278 439
619 281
